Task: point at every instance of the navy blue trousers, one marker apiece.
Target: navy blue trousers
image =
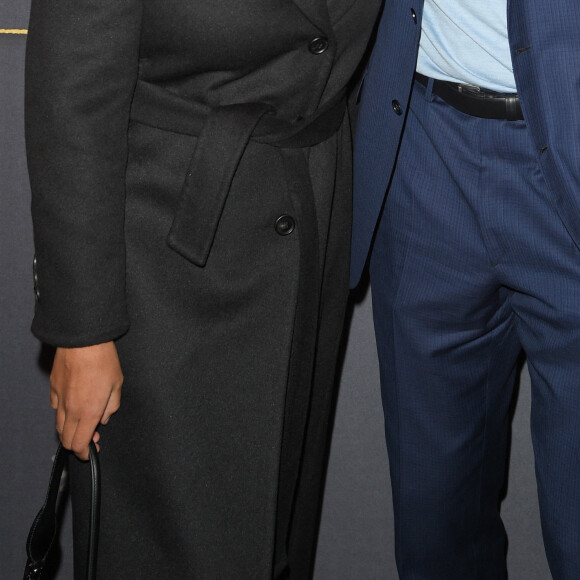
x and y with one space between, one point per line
471 264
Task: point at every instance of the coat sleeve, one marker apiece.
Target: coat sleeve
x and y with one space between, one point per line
81 69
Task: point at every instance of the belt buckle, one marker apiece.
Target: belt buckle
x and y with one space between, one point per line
470 89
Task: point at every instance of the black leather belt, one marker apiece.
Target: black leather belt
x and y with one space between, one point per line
476 101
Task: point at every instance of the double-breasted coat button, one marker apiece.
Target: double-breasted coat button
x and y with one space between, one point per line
285 225
318 45
397 107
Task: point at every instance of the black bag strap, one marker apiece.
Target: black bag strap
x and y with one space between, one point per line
44 530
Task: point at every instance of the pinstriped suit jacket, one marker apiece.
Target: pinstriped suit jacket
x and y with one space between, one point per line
545 49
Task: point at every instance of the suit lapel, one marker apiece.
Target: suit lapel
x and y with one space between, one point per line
316 11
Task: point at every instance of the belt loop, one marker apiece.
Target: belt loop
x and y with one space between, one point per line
513 108
429 90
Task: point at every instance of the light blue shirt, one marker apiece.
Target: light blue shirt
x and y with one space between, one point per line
466 41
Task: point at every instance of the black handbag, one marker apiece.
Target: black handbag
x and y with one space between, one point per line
44 530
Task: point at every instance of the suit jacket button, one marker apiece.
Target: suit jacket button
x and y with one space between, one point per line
285 225
318 45
397 107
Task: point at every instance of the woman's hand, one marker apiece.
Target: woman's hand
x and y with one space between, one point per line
85 390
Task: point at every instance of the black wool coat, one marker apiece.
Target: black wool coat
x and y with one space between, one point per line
190 172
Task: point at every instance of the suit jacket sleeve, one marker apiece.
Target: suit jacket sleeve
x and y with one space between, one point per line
81 69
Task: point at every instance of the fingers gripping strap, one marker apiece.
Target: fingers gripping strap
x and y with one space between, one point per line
43 532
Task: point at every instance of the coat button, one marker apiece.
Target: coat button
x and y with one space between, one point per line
397 107
35 278
318 45
285 225
414 16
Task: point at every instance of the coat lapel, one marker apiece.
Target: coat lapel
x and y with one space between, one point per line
316 11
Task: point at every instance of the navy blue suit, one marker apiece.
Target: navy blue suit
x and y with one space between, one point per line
473 231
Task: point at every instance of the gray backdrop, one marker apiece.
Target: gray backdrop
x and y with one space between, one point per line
356 539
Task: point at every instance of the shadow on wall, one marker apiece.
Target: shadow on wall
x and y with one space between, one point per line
45 356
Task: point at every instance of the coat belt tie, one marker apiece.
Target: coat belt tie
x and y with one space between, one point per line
222 133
